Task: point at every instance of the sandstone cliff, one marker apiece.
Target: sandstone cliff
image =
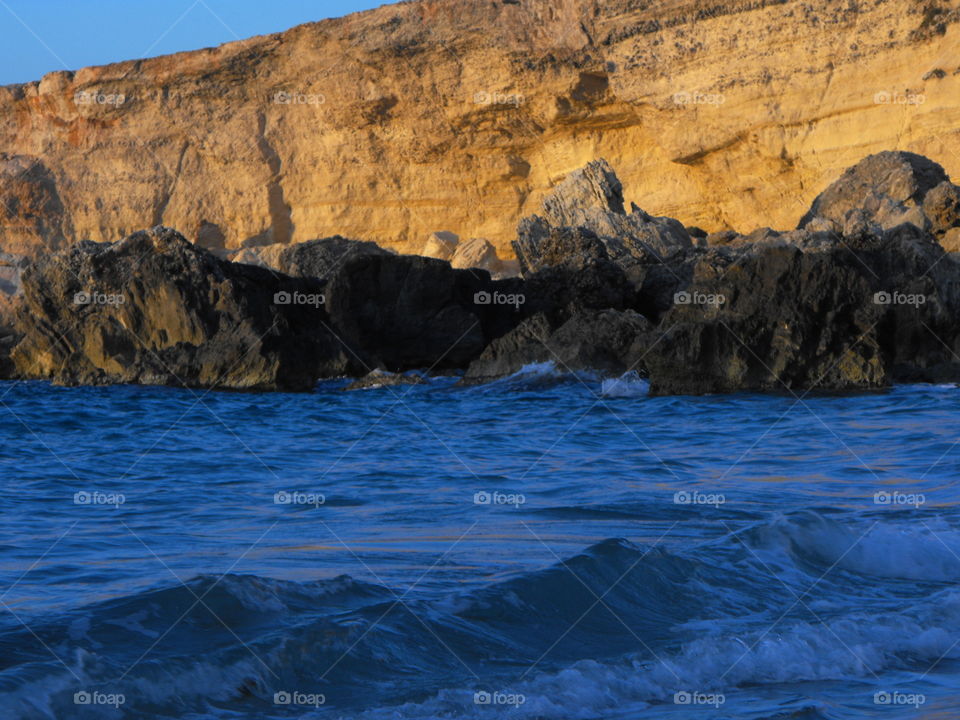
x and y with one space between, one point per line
460 115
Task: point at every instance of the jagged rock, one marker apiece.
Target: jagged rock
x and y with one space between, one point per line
860 314
771 319
569 269
324 258
608 341
592 187
441 245
155 309
889 187
592 199
381 378
941 205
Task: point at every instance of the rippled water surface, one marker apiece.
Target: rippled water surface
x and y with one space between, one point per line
542 547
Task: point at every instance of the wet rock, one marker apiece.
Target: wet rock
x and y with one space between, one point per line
769 319
569 269
608 341
376 379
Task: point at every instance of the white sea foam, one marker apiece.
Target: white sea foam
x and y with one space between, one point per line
627 385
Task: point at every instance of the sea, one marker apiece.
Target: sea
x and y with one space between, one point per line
547 546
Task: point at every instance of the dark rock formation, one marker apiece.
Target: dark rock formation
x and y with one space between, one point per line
376 379
154 309
863 294
609 341
323 258
402 312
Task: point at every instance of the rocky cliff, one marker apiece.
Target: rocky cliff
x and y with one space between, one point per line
460 115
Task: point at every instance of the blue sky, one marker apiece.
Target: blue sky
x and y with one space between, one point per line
37 36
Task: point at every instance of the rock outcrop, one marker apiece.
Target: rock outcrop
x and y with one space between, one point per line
887 189
155 309
463 114
862 295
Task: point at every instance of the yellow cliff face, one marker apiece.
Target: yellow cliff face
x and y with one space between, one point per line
460 115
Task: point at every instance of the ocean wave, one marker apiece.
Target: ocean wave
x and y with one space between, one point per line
627 385
617 628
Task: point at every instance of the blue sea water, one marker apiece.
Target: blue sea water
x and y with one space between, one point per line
546 546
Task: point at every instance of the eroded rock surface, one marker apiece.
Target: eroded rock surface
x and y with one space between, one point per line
462 115
155 309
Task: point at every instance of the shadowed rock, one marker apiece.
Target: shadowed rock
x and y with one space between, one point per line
154 309
607 341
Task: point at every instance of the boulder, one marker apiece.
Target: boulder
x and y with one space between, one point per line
942 207
479 253
155 309
771 319
325 257
403 312
889 187
573 201
569 269
376 379
441 245
607 341
592 199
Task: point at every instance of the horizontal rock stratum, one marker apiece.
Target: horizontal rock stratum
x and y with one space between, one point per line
460 115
